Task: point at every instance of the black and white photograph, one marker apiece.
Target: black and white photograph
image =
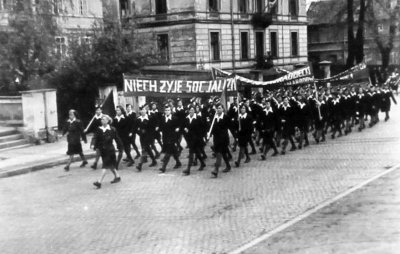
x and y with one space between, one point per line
199 126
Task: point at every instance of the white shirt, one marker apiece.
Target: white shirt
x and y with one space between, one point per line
71 121
267 111
120 117
243 116
285 107
104 129
98 116
191 118
142 118
219 117
168 118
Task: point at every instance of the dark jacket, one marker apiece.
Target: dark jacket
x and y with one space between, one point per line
132 122
74 131
195 132
168 129
103 140
220 134
245 129
144 129
122 127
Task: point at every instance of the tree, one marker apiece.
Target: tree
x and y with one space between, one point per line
380 13
112 52
26 47
355 43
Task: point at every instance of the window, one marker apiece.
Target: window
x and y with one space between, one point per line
58 6
274 44
213 5
161 6
215 47
293 8
86 40
259 44
244 45
243 6
124 8
163 47
82 7
294 44
259 6
61 46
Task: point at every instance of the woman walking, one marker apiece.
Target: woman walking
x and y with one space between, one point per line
194 137
103 140
74 130
244 134
221 140
123 128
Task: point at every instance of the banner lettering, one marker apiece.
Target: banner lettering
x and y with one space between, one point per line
139 86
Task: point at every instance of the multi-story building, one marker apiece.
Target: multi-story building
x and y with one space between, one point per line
75 18
198 34
327 33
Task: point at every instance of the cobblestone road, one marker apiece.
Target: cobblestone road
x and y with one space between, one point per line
366 221
55 212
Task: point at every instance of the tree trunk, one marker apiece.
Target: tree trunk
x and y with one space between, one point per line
359 45
350 34
385 54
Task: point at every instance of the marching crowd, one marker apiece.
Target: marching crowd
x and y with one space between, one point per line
269 121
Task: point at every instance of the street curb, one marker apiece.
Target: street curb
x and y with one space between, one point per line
40 166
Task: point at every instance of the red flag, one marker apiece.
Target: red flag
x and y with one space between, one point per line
108 105
108 108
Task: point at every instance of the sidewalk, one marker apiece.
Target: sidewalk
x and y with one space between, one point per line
33 158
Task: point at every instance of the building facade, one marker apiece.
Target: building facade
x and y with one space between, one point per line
327 36
75 19
199 34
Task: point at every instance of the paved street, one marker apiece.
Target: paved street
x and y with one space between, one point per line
367 221
56 212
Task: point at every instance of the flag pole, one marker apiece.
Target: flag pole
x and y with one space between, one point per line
91 121
319 106
212 125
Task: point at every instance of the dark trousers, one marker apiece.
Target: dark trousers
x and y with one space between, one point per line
268 142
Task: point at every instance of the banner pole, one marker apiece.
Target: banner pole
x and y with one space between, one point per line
212 125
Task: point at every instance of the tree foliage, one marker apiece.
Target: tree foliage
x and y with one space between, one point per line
26 46
112 52
380 13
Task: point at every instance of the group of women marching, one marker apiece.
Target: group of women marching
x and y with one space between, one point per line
271 121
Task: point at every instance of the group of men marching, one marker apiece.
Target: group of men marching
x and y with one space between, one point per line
271 121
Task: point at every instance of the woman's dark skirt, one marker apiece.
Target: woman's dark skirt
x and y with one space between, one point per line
74 148
109 159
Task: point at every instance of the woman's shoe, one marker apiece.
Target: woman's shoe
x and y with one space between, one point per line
97 184
116 180
84 163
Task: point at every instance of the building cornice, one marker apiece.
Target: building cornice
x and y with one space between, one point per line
165 23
